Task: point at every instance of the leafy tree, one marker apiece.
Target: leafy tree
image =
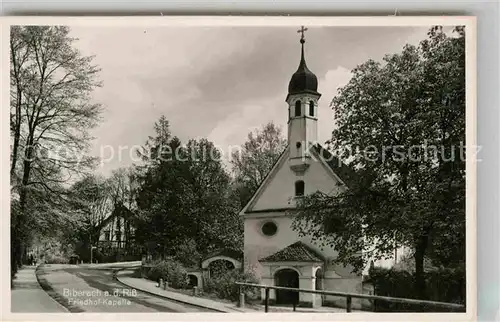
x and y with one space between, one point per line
123 187
51 113
91 205
184 196
159 185
254 160
401 127
187 253
209 201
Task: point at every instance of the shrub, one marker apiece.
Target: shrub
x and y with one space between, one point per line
187 254
224 286
171 271
220 267
442 285
137 273
55 259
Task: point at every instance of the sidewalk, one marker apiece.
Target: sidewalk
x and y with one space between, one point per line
148 286
27 296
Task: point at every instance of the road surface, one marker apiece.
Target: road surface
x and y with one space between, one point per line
92 289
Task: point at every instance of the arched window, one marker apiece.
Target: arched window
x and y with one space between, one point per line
311 108
319 279
297 108
299 188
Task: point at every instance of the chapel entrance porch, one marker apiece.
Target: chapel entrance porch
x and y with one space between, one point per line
295 266
287 278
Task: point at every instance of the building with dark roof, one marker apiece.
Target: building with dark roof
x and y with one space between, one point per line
272 249
117 236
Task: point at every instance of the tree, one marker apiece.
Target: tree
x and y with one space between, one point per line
92 203
51 113
123 187
254 160
401 127
156 195
184 197
209 198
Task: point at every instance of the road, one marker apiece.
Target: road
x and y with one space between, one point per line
92 289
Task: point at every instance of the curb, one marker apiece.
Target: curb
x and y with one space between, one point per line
175 300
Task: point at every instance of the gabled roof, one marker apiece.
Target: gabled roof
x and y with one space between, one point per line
120 210
340 169
266 178
344 172
296 252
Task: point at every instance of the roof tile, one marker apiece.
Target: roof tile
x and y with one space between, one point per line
296 252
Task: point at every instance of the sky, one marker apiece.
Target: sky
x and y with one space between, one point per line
217 82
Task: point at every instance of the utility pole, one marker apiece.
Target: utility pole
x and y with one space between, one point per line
91 249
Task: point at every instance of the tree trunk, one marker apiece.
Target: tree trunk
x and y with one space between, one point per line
420 287
17 117
21 231
15 147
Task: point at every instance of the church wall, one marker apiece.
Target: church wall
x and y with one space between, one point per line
279 194
257 245
396 258
311 130
281 188
297 133
345 285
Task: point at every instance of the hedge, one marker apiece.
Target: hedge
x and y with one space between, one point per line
224 286
442 285
171 271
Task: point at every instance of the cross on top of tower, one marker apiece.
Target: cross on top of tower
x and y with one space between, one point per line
301 31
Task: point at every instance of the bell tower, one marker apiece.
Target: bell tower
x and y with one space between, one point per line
302 100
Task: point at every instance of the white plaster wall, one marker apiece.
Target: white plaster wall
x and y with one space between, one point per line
297 133
389 262
306 279
303 128
258 246
331 282
311 128
278 195
282 186
345 285
199 276
107 227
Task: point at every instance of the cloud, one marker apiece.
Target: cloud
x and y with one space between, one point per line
233 130
328 86
219 83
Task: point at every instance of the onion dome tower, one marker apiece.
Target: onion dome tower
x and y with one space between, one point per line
302 100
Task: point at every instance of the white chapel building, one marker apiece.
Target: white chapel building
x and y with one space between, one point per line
272 249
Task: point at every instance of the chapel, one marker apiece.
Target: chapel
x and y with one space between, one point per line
273 251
